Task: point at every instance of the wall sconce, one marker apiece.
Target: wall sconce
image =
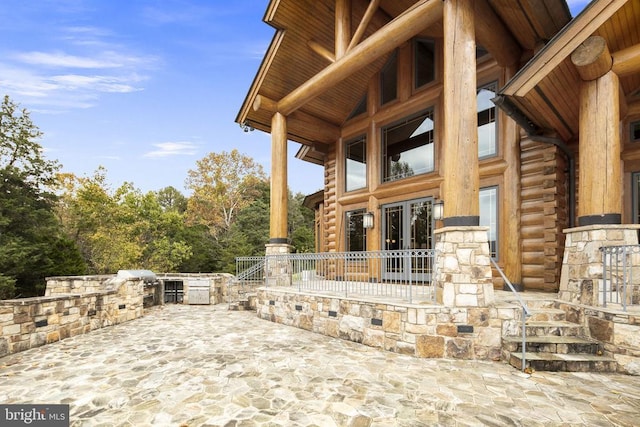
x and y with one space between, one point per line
367 220
438 210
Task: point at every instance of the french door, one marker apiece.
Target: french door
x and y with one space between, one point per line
407 225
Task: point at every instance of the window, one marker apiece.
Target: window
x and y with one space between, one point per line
356 233
486 121
408 147
635 131
389 80
360 108
356 164
489 216
635 196
424 63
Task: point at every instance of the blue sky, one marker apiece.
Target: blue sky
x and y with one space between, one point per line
144 88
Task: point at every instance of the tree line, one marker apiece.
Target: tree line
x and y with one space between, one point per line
58 224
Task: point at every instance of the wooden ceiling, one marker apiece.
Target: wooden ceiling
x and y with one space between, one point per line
547 89
306 27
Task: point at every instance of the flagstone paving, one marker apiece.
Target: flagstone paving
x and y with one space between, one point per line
207 366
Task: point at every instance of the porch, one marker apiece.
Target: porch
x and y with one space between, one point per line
342 295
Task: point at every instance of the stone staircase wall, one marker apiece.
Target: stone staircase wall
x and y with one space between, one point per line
569 337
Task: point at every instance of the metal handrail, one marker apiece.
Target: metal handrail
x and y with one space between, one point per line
525 311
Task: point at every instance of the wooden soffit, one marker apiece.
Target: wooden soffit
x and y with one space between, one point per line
547 89
303 48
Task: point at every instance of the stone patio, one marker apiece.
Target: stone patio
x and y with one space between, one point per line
207 366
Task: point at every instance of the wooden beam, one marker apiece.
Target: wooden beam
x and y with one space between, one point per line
366 19
633 108
460 139
279 194
600 190
627 61
561 47
494 36
392 35
262 102
342 27
592 58
321 130
321 50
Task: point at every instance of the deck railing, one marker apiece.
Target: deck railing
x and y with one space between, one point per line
620 276
398 274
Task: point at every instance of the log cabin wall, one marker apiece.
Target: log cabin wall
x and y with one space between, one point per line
544 214
330 204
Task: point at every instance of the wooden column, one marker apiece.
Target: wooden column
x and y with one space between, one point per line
510 225
600 180
279 195
460 136
343 27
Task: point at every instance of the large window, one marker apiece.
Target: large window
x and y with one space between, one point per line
489 216
635 197
356 164
635 131
425 62
408 147
389 80
356 233
486 121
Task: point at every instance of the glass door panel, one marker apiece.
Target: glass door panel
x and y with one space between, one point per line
407 225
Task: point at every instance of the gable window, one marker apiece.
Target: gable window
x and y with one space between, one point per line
356 163
635 131
487 146
356 233
389 80
408 147
489 216
361 108
424 63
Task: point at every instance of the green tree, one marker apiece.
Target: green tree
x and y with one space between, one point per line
300 223
121 229
31 243
223 184
172 200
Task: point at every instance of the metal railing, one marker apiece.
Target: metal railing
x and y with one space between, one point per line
249 275
525 312
620 275
400 274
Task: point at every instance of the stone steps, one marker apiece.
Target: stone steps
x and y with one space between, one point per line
564 362
554 344
247 302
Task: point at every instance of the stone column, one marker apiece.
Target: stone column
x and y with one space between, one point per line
464 267
277 269
581 276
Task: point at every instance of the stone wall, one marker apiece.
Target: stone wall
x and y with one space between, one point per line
617 331
32 322
418 330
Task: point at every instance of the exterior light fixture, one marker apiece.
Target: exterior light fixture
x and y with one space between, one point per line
367 220
438 210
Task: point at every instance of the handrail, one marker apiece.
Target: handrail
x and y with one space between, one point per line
525 311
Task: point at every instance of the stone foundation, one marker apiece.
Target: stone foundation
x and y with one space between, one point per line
278 268
417 330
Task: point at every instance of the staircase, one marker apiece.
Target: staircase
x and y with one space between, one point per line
554 344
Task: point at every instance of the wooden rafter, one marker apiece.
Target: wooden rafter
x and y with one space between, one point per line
396 32
366 19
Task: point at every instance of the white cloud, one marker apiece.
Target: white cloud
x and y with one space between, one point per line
166 149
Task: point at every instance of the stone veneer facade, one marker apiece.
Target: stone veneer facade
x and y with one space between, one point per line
580 288
418 330
464 277
71 306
